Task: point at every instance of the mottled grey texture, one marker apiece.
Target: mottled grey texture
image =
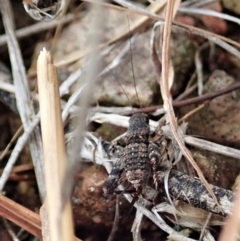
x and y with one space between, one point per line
135 161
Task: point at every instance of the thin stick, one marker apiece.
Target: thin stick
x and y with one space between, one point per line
192 112
60 222
15 136
194 100
211 146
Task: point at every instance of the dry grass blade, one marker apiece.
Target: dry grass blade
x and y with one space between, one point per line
20 215
60 221
167 99
22 93
48 11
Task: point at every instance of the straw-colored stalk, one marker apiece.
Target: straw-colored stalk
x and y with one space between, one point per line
60 221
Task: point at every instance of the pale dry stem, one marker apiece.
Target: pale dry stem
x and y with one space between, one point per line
213 147
55 159
21 142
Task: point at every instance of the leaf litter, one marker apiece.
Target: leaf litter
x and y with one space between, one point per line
217 121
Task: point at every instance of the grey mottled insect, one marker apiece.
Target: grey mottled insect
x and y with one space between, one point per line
138 160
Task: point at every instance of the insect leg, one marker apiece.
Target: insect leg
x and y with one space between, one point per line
115 153
113 178
160 159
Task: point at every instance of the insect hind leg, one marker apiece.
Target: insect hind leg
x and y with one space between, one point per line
113 178
160 161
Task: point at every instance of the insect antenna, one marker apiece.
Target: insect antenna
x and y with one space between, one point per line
116 61
110 67
129 101
133 73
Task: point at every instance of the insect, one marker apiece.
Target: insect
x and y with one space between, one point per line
140 159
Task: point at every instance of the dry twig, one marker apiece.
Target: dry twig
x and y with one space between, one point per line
55 162
194 100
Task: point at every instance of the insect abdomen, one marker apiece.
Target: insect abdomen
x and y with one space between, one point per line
137 163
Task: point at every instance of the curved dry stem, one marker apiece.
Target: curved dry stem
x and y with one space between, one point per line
167 99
